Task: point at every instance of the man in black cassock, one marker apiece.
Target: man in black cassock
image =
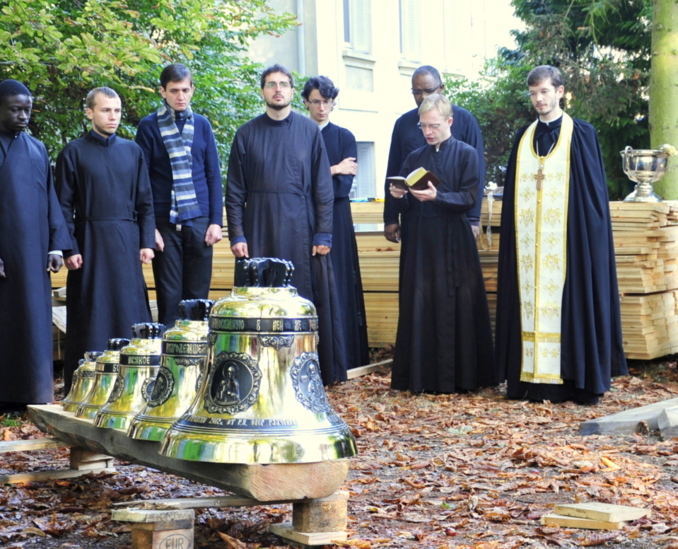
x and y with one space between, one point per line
279 201
32 234
105 195
558 330
319 94
407 137
444 341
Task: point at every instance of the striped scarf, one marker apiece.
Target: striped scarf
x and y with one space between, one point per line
185 204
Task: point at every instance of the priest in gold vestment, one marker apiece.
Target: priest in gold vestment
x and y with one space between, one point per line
558 331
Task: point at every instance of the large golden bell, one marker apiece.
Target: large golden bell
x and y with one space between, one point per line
184 350
262 400
83 379
139 363
105 372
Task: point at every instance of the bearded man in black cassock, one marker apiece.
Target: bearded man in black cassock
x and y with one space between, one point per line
105 194
32 235
558 330
444 340
279 201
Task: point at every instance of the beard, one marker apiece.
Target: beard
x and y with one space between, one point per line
278 106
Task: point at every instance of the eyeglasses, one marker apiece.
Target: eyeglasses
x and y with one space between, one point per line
427 92
427 126
326 102
283 85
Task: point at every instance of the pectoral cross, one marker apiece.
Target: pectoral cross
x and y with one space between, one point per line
539 177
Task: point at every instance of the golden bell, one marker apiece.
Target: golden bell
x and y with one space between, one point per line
83 379
105 372
139 363
184 351
262 400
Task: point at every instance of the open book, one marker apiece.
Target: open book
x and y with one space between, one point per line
417 180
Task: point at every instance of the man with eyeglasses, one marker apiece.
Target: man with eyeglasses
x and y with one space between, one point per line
558 330
407 137
183 165
444 339
319 95
279 201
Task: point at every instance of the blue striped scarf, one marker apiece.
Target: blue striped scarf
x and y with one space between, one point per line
185 204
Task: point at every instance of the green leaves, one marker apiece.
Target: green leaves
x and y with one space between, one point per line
63 48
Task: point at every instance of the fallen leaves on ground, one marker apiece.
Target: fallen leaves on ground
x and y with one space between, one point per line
434 471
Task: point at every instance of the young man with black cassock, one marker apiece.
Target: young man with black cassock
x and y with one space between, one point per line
558 330
319 95
279 201
444 340
32 234
105 195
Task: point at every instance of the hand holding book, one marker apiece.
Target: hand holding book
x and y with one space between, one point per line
417 180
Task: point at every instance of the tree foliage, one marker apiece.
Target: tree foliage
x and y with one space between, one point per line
63 48
603 49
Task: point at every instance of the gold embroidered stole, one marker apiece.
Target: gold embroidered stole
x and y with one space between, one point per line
541 199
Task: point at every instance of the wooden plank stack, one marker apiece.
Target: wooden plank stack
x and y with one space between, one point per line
646 251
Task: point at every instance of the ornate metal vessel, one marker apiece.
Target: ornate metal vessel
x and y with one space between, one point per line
644 167
139 363
262 400
107 367
83 379
184 350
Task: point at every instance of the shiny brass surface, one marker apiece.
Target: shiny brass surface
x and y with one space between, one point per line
83 379
644 167
184 351
262 399
139 363
105 372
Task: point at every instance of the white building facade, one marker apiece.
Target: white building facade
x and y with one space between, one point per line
370 48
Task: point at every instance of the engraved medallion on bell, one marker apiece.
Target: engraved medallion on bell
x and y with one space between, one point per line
262 400
184 351
139 363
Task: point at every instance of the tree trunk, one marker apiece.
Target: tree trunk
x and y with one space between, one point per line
664 90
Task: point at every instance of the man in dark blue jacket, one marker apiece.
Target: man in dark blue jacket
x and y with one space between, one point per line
181 155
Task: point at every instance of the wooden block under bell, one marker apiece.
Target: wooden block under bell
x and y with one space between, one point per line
321 515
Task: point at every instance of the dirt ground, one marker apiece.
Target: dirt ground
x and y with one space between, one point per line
470 471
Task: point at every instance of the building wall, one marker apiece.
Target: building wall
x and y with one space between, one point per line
373 71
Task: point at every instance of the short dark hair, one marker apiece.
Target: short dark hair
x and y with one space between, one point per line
428 69
321 83
10 88
544 72
91 99
175 72
276 68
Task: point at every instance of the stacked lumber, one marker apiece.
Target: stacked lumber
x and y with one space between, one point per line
646 252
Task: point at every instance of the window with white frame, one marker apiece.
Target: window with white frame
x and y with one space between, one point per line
410 30
357 25
363 184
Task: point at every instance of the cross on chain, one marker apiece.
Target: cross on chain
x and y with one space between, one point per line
539 177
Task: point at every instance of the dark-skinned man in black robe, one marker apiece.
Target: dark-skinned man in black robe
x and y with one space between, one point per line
319 95
279 201
444 340
105 194
32 229
558 330
407 137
